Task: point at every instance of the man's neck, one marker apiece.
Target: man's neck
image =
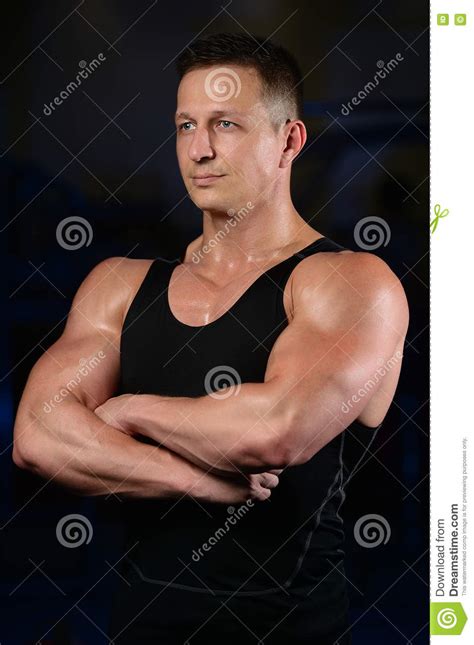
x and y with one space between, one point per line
234 241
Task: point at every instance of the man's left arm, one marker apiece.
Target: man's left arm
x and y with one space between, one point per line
350 315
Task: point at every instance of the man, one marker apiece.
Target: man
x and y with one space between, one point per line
228 375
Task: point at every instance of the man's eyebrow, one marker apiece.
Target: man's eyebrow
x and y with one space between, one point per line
183 115
214 113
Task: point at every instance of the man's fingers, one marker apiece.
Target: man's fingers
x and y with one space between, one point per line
267 480
264 493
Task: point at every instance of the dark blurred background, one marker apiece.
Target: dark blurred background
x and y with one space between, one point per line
107 155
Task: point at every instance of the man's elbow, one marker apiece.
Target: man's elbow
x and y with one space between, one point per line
24 454
29 457
28 446
18 458
284 446
283 452
21 455
274 447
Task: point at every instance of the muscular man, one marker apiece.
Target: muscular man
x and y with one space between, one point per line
235 372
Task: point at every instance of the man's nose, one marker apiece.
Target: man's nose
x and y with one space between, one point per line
200 147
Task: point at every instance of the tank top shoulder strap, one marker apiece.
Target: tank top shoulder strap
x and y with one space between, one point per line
322 244
283 270
280 273
151 290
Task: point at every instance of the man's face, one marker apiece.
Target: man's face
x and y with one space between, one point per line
228 150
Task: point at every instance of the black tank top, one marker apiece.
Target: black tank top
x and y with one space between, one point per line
294 540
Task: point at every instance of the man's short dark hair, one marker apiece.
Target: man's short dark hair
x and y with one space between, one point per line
280 75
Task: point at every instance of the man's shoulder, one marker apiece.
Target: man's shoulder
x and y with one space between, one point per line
119 268
333 269
110 287
116 272
354 279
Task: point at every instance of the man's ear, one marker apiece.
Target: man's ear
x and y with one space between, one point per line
295 138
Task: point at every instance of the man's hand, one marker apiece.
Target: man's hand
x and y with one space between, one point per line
114 413
236 490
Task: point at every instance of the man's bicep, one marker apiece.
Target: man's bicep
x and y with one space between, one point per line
343 330
307 367
85 361
85 367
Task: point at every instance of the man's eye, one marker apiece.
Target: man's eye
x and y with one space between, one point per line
183 126
226 124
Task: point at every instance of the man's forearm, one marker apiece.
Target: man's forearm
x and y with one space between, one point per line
73 447
237 432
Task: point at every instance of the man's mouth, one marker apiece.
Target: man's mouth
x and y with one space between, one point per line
205 179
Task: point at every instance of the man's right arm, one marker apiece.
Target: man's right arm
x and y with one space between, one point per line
58 436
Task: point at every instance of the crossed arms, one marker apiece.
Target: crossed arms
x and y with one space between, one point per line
350 316
218 449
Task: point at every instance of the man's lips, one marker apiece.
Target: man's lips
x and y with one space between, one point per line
205 180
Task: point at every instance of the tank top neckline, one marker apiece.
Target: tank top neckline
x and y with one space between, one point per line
228 312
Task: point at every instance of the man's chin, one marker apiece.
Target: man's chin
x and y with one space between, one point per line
210 203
